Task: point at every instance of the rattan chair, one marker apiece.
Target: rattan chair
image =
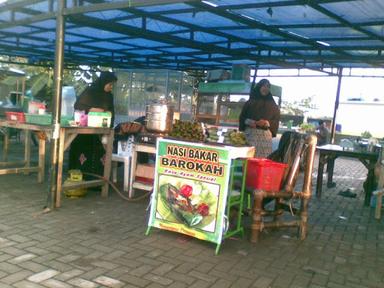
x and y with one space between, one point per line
298 151
378 194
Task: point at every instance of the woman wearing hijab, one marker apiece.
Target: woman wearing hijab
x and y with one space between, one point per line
259 119
98 97
86 152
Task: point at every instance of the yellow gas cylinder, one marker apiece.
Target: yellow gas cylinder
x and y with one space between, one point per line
75 176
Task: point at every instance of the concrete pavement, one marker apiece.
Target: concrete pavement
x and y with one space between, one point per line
96 242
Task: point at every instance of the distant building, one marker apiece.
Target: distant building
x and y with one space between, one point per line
355 117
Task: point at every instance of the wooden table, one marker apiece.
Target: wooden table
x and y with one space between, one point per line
329 153
67 135
43 133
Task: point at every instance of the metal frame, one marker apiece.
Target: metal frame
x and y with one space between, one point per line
281 48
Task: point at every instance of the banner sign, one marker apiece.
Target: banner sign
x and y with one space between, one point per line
191 188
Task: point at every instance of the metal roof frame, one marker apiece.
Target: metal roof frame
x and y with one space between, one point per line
198 35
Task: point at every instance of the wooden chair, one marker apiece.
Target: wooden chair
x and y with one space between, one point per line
298 151
379 174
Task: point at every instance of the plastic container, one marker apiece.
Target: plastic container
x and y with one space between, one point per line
68 101
374 201
45 119
34 106
75 176
15 116
99 119
265 174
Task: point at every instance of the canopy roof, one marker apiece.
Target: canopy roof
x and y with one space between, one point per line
187 35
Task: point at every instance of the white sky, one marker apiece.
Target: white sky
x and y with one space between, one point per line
323 89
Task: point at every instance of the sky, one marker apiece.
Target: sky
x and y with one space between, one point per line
323 89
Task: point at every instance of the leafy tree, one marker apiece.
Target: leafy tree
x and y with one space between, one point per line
298 107
366 134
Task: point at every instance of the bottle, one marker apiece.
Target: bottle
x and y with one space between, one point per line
68 101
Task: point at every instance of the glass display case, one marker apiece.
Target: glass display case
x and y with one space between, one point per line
221 103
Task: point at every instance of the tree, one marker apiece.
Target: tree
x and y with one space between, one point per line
298 107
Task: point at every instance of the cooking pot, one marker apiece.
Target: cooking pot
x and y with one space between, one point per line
159 117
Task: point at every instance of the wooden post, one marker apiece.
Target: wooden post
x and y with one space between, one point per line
107 164
333 129
56 109
41 174
27 150
6 145
59 181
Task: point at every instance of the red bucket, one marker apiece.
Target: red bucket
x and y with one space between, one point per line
265 174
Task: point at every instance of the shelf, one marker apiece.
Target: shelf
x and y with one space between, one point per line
142 186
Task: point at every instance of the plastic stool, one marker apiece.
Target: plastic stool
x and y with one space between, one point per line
126 160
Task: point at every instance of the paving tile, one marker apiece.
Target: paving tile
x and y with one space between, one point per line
26 284
141 271
22 258
158 279
44 275
69 274
262 282
179 277
52 283
109 282
82 283
16 277
91 237
136 281
222 283
163 269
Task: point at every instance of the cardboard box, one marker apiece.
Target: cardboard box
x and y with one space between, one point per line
145 171
99 119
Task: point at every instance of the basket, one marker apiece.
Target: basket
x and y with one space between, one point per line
45 119
265 174
15 116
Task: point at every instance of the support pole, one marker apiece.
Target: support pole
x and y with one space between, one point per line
254 77
333 129
56 108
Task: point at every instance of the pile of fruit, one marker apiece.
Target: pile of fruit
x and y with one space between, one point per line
226 136
187 130
235 138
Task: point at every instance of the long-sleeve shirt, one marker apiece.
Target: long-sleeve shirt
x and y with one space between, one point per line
260 108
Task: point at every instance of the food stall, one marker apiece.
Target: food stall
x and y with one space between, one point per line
40 125
193 180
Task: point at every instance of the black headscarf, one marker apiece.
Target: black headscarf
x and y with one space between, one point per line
255 93
105 78
95 96
260 107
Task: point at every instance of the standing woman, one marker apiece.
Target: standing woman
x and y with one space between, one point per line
87 152
259 119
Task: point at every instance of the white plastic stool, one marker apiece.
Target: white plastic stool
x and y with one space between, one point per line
126 160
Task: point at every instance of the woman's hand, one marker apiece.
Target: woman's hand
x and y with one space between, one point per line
262 123
96 110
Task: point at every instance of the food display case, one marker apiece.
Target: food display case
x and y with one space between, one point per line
220 103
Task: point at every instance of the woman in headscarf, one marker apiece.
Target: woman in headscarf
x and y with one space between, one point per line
87 152
98 97
259 119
